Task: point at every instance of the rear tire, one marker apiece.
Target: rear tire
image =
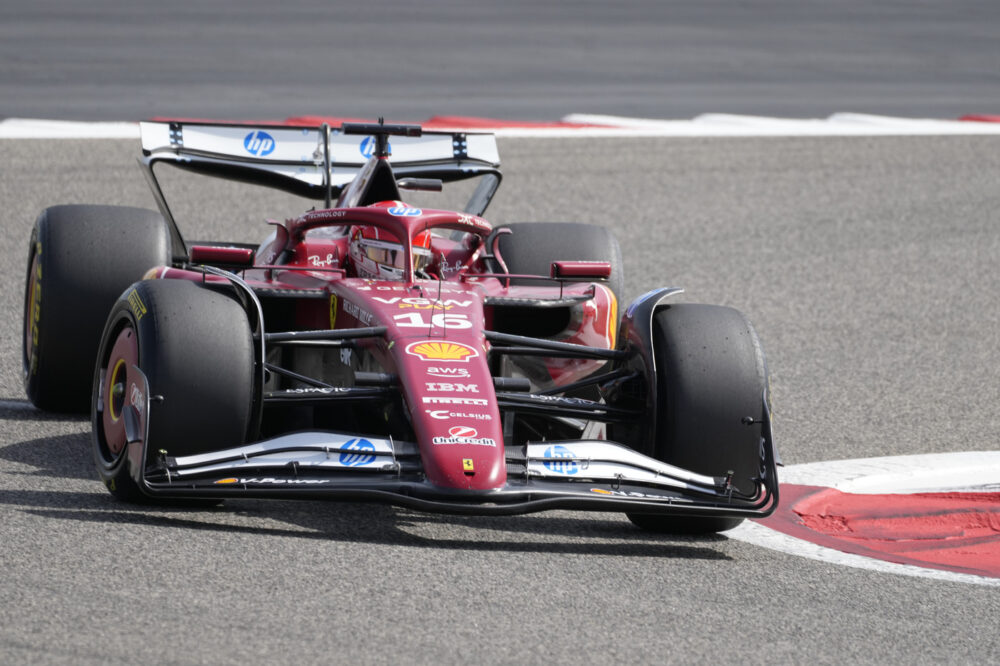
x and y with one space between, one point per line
532 247
195 348
711 374
80 259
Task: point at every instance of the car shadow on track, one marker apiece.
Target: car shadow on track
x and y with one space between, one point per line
363 524
60 456
68 457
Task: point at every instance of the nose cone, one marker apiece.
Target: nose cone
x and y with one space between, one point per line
449 389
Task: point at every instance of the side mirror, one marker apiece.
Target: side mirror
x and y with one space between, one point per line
420 184
227 256
583 270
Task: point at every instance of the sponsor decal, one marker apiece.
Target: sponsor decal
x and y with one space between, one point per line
474 221
404 211
271 481
333 311
445 415
367 147
448 373
478 402
464 435
362 457
467 465
562 399
320 262
136 305
449 269
627 493
434 350
423 303
567 465
355 311
319 389
259 143
137 399
448 387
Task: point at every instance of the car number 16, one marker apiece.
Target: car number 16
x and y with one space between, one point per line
441 319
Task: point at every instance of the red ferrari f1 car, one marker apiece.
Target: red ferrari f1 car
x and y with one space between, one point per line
375 350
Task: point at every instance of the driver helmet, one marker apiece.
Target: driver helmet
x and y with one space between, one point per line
378 255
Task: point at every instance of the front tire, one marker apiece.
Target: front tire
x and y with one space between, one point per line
195 348
79 261
711 375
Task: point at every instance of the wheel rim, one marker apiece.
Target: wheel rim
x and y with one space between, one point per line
116 375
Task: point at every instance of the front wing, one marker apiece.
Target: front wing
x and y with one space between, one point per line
592 475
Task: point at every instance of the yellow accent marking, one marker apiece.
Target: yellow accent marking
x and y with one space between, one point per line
333 311
136 304
229 480
467 465
119 365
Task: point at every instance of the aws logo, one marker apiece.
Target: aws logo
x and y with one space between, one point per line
259 143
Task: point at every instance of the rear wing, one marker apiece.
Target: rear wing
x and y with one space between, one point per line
313 162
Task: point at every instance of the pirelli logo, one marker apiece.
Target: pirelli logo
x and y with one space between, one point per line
136 305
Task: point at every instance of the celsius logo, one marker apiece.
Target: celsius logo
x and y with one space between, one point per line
368 147
570 465
358 459
259 143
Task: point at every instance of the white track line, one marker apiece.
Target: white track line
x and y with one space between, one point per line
27 128
706 125
838 124
967 471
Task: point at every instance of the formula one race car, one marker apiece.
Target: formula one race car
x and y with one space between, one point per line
375 350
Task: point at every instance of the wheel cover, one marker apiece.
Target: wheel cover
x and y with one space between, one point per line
124 354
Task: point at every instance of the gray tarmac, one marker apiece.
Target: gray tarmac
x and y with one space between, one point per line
518 59
868 266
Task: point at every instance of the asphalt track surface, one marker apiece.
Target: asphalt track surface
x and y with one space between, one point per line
869 268
517 59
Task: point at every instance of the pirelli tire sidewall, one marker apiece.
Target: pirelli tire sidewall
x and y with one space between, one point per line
80 257
196 351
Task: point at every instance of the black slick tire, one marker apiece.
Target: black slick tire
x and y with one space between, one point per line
711 375
195 348
80 259
531 247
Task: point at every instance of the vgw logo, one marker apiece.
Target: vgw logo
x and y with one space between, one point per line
570 466
360 459
368 147
259 143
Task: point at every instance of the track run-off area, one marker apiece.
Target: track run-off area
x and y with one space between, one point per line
864 250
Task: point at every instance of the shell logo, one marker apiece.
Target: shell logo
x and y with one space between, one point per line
429 350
